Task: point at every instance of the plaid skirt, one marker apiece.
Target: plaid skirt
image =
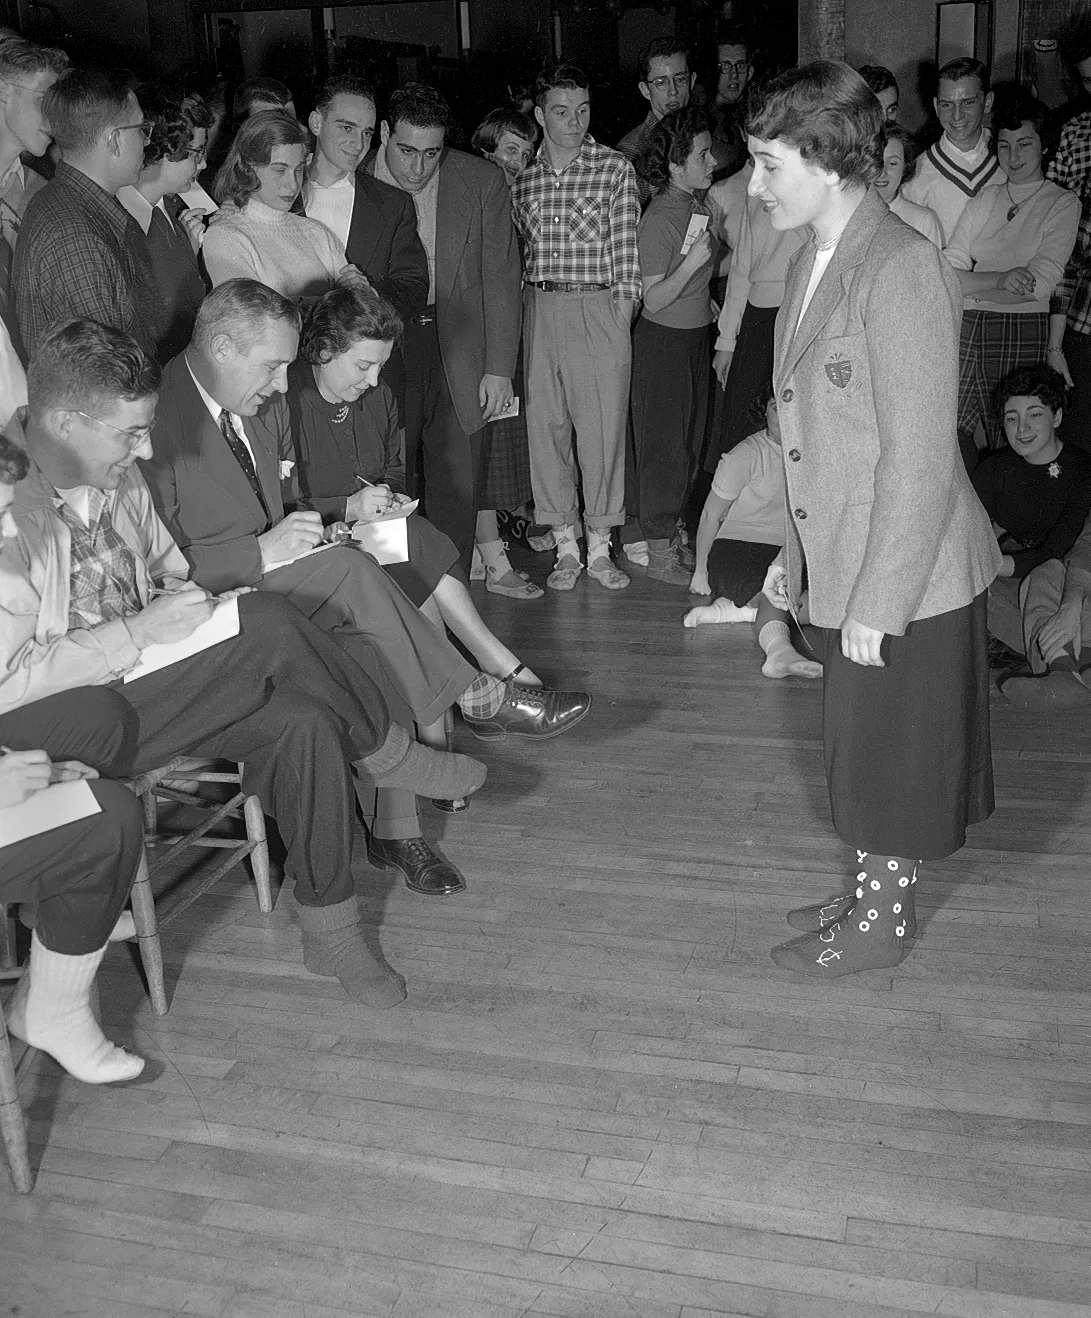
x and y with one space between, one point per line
991 344
505 455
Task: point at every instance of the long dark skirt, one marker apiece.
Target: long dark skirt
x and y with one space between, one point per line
737 568
738 411
908 756
431 556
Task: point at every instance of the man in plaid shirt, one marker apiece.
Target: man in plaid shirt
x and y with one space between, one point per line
577 209
1069 348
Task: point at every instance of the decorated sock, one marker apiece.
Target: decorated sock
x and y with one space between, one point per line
720 610
598 545
51 1010
333 946
566 543
494 555
400 762
782 659
870 936
483 697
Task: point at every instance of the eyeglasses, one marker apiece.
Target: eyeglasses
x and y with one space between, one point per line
678 83
142 435
194 153
145 128
733 66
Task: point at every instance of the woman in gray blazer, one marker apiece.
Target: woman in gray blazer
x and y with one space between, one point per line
897 549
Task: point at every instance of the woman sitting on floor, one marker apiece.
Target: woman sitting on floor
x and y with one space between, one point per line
740 533
351 459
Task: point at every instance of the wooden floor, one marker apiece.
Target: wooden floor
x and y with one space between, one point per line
602 1099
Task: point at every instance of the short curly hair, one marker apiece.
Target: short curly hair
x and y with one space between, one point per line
343 317
175 115
670 143
14 463
1038 381
829 114
254 144
496 123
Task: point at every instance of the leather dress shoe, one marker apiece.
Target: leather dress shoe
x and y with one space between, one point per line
1057 689
422 869
532 712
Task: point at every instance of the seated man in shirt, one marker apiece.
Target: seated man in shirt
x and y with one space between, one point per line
1038 494
93 579
222 446
740 533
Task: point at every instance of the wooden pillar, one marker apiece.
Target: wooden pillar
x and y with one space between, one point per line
821 30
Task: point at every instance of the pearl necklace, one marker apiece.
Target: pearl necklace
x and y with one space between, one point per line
1015 205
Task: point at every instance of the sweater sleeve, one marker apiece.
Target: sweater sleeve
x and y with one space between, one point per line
738 288
1058 239
229 254
959 251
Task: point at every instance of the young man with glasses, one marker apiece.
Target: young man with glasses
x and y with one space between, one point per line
665 83
80 253
173 234
733 74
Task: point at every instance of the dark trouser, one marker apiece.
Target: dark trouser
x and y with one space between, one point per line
80 873
669 404
449 459
1076 422
414 665
738 411
286 699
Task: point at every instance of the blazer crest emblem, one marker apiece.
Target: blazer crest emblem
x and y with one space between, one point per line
839 371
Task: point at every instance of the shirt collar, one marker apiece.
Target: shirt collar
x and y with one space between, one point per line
213 407
15 172
346 181
138 206
542 158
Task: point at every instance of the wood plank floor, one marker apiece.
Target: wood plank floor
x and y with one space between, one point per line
602 1099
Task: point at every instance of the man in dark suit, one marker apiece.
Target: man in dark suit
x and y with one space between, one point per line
222 447
460 351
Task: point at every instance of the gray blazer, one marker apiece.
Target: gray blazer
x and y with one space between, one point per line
879 503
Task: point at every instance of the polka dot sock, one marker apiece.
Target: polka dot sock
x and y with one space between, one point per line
870 935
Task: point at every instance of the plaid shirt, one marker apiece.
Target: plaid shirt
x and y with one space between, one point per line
1071 168
81 253
102 584
579 226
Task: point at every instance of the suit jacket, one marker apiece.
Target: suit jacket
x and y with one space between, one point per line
384 244
879 502
199 488
478 279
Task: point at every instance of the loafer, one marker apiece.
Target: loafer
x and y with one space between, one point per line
423 870
530 711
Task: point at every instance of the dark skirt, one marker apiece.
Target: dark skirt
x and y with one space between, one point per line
737 568
431 556
738 410
505 455
908 756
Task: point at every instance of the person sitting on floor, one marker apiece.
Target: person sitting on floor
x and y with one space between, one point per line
740 533
93 579
350 460
79 874
1037 493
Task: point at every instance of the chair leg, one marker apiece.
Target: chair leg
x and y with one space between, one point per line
13 1126
147 930
259 857
7 937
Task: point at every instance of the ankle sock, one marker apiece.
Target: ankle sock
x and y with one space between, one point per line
494 556
333 946
598 545
51 1010
782 658
720 610
407 764
483 697
566 543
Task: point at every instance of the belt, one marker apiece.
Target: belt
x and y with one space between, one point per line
424 317
552 286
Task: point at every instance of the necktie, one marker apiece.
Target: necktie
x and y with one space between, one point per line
243 458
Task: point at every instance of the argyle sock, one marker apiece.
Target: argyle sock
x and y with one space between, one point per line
483 697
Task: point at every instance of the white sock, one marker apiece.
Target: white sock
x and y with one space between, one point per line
782 658
51 1010
598 545
494 556
566 543
720 610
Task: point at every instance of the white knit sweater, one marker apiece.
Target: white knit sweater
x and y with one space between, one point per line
295 255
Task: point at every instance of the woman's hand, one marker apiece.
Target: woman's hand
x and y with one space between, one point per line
1019 281
721 364
22 773
698 584
699 253
862 644
369 503
1007 566
1059 362
193 222
352 277
775 587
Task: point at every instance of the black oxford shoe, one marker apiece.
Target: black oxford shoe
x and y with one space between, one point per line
530 711
422 869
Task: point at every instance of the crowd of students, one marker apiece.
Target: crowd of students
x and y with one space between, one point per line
212 374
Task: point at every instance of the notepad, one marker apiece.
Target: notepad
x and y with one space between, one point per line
196 198
512 409
697 225
52 807
223 624
306 553
387 538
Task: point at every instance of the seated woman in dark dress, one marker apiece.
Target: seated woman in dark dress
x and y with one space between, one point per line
351 465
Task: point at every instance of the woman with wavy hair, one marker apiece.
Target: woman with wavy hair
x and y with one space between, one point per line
670 382
897 549
255 235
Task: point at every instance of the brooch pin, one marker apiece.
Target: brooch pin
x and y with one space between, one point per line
1054 469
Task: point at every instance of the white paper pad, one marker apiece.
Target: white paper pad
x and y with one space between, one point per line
697 225
512 409
317 549
52 807
223 624
387 538
197 198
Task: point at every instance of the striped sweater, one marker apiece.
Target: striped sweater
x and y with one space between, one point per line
947 178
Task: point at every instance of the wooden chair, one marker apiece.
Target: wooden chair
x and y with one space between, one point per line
162 784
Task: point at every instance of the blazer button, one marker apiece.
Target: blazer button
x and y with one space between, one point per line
794 454
787 396
801 513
